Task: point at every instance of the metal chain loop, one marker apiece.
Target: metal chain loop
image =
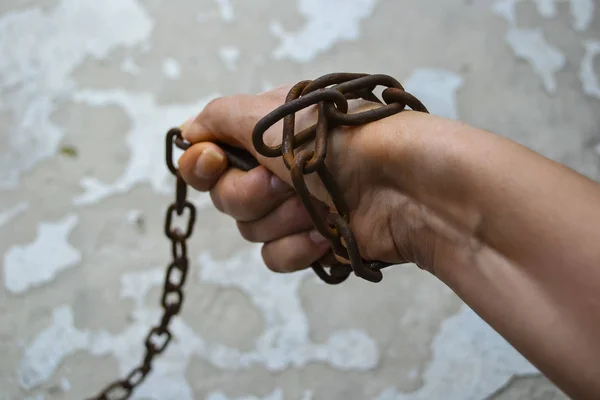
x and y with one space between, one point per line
330 94
160 336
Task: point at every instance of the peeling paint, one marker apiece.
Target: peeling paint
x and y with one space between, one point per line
61 339
530 44
582 11
129 66
44 46
229 55
50 348
64 384
172 68
547 8
145 140
437 88
545 59
10 214
133 216
328 22
276 395
587 75
36 397
506 9
40 51
285 341
36 264
470 361
226 10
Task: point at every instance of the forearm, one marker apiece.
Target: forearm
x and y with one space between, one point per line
533 269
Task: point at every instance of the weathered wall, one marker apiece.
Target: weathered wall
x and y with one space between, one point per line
89 89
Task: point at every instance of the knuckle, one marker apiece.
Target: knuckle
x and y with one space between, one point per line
248 231
234 198
247 198
244 194
214 105
217 201
299 259
296 207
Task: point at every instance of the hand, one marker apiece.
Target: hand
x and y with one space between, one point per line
388 225
479 211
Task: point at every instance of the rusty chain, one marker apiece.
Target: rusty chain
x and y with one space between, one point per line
330 93
332 108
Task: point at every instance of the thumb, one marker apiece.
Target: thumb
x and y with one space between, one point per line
231 120
202 165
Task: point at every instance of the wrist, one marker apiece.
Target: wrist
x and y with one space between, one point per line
431 160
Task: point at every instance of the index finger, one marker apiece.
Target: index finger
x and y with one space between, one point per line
231 119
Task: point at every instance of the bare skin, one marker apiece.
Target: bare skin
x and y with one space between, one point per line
511 232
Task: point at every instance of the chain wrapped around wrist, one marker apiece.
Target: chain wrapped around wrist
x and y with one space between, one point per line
330 94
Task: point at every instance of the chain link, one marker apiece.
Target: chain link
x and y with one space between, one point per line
160 336
330 94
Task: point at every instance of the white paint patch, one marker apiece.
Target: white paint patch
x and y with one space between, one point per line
133 216
546 60
59 341
328 23
506 9
39 52
136 285
285 341
276 395
49 349
33 265
8 215
470 361
531 45
171 68
582 11
226 10
547 8
145 140
587 75
230 56
129 66
64 384
414 373
437 89
307 395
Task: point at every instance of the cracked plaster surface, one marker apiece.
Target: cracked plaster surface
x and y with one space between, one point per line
117 61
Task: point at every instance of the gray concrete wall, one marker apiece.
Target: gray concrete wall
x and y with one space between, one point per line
88 89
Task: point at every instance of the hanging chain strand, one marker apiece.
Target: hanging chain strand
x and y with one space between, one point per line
330 94
158 337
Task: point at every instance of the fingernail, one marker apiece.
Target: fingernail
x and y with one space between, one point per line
316 237
278 184
186 123
209 163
